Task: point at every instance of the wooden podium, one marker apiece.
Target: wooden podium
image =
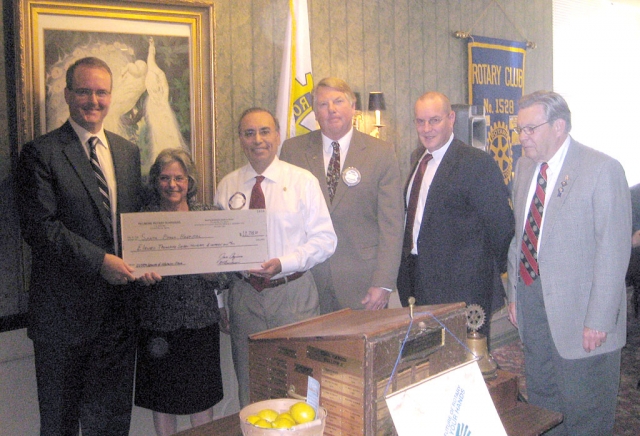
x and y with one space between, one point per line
353 354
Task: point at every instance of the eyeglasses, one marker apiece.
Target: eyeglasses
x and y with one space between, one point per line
529 129
87 93
250 133
431 121
168 179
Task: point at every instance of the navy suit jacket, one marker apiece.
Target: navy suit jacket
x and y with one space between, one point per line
68 231
466 229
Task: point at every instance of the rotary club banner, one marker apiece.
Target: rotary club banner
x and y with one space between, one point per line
296 83
496 82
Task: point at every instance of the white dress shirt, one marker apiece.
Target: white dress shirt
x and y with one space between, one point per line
553 172
327 149
429 174
299 229
106 165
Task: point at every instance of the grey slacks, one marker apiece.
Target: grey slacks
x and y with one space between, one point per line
251 312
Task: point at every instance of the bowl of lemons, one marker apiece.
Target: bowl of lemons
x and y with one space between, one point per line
282 416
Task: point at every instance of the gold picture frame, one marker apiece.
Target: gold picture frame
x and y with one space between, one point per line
164 47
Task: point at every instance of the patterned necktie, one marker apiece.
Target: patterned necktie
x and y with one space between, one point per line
333 171
529 253
257 196
102 181
407 244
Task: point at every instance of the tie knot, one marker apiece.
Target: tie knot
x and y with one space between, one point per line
93 141
543 169
259 179
425 160
336 146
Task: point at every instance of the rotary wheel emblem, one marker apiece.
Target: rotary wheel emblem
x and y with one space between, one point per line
500 147
475 317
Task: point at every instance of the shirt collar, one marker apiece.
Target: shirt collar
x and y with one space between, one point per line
84 134
439 153
344 142
271 173
555 163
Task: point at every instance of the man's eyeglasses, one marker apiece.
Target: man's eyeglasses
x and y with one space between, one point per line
250 133
87 93
529 129
168 179
431 121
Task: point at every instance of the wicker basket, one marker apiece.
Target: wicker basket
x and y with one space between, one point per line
313 428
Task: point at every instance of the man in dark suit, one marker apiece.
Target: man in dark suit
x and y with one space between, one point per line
566 291
364 201
456 246
633 272
80 300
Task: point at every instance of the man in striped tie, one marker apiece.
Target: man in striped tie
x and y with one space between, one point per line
73 183
567 265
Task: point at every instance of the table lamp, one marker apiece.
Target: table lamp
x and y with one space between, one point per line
376 103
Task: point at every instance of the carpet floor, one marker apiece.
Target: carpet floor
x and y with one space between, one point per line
510 357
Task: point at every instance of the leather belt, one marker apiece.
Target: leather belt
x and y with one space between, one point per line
261 283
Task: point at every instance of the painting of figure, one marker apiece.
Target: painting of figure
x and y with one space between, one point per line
151 85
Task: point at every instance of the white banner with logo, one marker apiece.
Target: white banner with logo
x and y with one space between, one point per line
453 403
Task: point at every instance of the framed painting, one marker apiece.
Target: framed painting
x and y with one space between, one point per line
161 54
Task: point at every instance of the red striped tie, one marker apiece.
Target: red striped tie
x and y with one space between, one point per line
529 253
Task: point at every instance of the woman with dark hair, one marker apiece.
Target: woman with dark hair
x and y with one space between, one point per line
178 366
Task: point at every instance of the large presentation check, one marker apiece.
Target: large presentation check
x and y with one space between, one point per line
175 243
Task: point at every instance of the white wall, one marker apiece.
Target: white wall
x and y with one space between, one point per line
595 68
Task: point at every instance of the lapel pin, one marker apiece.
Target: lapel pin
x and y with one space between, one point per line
351 176
562 185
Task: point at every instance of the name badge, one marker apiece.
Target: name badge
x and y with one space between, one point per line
237 201
351 176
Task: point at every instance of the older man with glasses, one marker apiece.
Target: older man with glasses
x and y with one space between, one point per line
567 265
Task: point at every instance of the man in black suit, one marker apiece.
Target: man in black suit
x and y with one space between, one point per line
457 246
633 272
80 302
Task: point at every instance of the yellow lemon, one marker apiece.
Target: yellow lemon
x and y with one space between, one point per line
262 423
302 412
252 419
269 415
287 415
283 423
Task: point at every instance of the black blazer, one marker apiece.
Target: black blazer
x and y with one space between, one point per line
67 229
465 232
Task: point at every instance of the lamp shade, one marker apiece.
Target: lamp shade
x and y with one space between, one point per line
358 101
376 101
